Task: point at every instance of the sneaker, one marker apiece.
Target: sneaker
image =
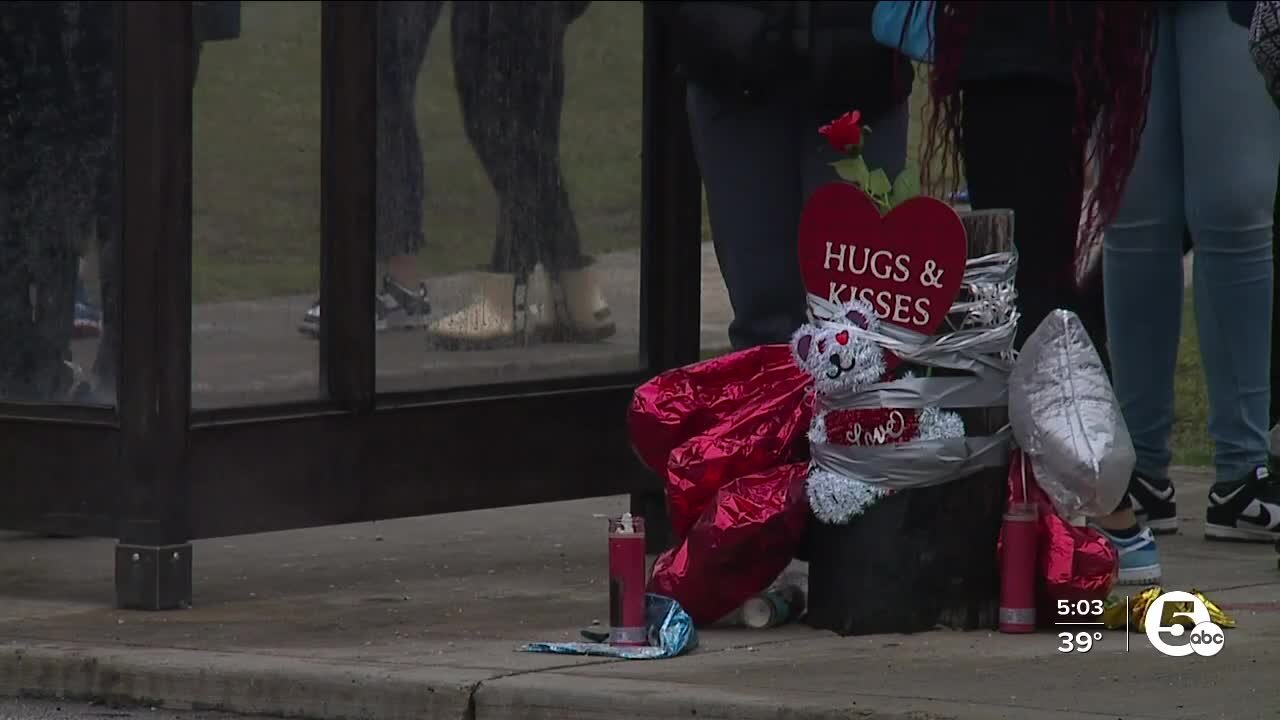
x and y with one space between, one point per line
1247 509
1153 502
87 321
395 308
1139 559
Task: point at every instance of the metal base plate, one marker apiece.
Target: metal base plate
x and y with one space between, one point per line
153 577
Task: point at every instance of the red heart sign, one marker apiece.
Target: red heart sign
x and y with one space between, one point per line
908 264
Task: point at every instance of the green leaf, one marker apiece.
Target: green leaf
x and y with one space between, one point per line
852 170
878 184
905 186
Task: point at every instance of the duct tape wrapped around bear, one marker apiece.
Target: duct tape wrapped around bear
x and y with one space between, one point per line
887 293
874 433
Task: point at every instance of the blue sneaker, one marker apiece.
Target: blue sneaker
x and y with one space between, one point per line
1139 560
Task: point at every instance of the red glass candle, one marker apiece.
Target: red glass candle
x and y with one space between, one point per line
627 581
1018 569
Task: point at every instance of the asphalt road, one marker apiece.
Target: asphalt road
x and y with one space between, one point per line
52 710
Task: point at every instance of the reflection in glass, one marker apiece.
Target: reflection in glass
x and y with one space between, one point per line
508 217
57 227
256 199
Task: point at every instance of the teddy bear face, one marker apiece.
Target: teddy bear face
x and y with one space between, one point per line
838 354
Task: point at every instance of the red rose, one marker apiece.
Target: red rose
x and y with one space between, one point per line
844 132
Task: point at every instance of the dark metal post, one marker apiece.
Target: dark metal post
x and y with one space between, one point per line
348 142
671 235
153 557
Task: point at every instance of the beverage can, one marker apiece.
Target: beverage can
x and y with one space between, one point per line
771 608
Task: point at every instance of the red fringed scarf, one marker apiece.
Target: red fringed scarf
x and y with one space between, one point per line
1111 65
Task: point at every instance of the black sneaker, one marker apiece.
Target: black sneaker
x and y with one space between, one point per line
395 308
1153 502
1247 509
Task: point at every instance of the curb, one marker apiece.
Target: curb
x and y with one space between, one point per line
302 688
553 696
236 683
290 687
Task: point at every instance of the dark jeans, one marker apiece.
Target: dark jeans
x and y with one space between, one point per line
1018 154
759 163
508 63
56 105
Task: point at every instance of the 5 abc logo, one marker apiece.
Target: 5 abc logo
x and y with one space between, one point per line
1206 639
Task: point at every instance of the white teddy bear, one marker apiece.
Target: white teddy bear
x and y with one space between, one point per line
842 359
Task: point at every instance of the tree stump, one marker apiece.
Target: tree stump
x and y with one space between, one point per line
923 558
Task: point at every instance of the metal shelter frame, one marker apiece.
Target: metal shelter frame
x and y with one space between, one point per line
156 475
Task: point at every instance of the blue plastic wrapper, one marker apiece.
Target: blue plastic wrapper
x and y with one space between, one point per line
671 634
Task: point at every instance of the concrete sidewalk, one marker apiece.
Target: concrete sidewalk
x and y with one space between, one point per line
251 353
421 619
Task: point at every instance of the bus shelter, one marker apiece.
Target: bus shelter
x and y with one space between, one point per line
235 302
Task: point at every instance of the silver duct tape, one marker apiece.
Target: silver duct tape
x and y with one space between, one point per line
983 389
982 347
916 464
1065 416
965 349
989 281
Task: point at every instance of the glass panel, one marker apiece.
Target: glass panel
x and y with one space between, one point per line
57 219
509 191
256 199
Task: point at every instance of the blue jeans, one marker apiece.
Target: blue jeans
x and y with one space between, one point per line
1208 159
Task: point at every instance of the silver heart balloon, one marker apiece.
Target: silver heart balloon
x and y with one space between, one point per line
1065 416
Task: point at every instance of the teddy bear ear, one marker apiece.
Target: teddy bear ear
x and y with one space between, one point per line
858 318
803 345
861 314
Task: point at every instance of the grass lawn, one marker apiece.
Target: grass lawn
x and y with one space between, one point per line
1191 444
257 163
257 150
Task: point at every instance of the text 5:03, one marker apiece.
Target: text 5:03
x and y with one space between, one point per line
1080 607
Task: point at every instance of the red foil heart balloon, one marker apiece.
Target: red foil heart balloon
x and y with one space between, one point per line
907 264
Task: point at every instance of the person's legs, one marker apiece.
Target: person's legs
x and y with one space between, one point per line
751 160
509 72
1275 318
1275 315
1230 192
759 162
512 96
1142 266
1142 271
404 33
1018 154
